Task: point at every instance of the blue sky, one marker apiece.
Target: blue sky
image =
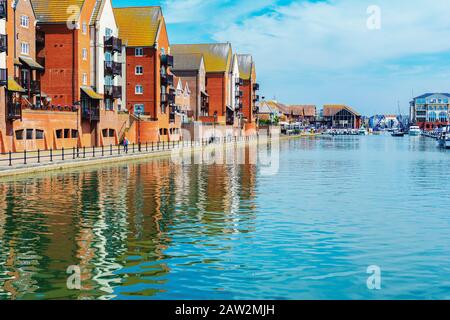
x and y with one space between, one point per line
318 52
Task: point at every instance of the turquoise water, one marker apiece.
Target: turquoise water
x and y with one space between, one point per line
156 230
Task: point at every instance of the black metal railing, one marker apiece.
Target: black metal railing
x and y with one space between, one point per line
239 94
239 82
3 43
113 44
256 98
113 91
50 156
90 113
167 80
14 111
3 77
255 86
167 60
113 68
3 9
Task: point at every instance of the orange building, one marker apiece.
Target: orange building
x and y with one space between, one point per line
249 87
217 59
150 95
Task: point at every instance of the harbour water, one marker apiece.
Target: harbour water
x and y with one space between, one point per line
157 230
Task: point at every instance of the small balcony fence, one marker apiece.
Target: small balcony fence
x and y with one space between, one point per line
113 44
113 68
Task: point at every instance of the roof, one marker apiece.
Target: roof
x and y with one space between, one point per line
31 63
267 107
245 62
330 110
187 62
302 110
13 86
91 93
217 56
98 6
432 94
139 26
56 11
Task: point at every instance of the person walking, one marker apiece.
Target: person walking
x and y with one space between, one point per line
125 144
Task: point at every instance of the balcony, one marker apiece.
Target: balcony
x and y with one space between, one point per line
90 113
14 111
171 98
256 98
167 60
3 77
34 86
113 91
255 86
239 94
3 9
113 68
239 82
113 44
3 43
167 80
40 39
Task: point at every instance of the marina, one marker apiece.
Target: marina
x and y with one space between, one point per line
152 229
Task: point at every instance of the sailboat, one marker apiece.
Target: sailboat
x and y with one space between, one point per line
400 131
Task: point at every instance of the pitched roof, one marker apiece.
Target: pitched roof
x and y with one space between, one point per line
217 56
303 110
245 62
56 11
98 5
187 62
138 26
330 110
266 107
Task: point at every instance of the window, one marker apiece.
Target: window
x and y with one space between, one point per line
108 32
432 116
25 48
24 21
84 28
74 133
163 51
39 134
139 70
138 109
111 133
85 79
84 53
58 134
30 134
139 89
139 52
108 56
105 133
66 133
443 117
108 104
19 135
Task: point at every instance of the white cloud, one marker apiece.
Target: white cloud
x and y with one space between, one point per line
323 52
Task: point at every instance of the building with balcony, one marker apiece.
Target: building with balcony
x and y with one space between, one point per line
190 68
218 66
234 103
149 82
22 73
3 70
182 101
430 110
249 88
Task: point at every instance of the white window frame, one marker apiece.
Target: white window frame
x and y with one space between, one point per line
136 91
138 105
24 21
25 48
84 54
139 73
84 28
85 79
139 52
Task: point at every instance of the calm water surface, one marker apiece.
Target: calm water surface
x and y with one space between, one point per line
156 230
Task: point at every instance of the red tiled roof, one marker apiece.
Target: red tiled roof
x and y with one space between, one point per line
330 110
303 110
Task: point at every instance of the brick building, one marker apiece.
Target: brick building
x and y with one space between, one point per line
249 89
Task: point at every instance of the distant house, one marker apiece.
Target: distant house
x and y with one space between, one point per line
430 110
301 113
340 117
267 111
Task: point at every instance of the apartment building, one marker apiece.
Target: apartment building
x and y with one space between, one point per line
218 65
150 93
191 69
23 92
3 71
183 99
430 110
249 88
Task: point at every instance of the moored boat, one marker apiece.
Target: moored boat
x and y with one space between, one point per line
414 131
398 133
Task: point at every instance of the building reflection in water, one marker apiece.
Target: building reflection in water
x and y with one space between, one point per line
125 226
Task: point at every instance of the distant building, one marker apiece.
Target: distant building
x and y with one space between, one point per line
340 117
430 110
301 113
